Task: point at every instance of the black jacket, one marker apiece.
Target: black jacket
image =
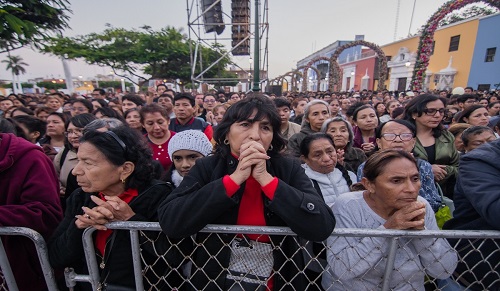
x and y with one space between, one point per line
201 199
66 249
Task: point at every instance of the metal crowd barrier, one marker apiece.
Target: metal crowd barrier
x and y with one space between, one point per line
43 257
397 242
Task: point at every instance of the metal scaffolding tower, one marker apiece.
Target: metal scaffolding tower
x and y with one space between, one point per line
235 42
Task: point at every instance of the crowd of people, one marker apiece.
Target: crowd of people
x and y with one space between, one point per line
310 161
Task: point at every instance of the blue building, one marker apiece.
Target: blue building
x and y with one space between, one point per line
485 67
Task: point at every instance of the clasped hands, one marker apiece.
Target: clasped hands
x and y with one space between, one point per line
114 209
252 162
410 217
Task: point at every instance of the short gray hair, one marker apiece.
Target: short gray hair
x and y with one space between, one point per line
102 123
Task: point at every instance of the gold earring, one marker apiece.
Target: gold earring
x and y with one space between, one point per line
123 181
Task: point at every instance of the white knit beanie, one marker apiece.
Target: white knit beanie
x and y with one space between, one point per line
193 140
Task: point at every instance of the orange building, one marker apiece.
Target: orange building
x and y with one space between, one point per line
450 64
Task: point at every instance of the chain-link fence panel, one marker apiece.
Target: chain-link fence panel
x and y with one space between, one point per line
257 258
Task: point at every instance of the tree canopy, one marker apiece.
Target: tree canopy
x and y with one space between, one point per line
162 54
26 22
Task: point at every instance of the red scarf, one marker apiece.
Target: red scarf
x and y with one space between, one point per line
103 235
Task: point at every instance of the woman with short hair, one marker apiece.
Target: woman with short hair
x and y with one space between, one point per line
400 135
315 113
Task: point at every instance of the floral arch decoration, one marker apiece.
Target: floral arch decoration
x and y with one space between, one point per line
275 81
293 79
427 37
335 70
309 66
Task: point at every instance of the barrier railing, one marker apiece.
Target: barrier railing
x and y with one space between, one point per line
404 258
397 244
41 249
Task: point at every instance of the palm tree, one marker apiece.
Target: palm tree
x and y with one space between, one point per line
16 65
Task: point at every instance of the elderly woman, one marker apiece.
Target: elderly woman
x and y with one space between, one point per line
315 113
400 135
115 172
247 182
341 132
329 178
390 201
476 136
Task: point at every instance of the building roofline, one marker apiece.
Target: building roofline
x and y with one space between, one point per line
444 27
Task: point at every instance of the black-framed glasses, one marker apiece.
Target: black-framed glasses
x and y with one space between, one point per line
209 101
402 136
433 111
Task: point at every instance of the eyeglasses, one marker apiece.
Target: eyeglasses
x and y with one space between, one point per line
432 111
402 136
209 101
79 109
78 132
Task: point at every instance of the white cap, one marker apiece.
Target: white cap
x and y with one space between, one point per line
193 140
458 91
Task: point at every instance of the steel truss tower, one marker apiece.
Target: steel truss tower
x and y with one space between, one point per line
236 41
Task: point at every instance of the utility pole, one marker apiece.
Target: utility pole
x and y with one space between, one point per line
256 53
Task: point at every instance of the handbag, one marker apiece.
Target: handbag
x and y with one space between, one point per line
445 212
250 265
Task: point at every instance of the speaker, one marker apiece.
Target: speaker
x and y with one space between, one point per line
212 18
240 14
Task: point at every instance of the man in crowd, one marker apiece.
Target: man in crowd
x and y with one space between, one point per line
287 128
184 109
99 94
466 100
167 102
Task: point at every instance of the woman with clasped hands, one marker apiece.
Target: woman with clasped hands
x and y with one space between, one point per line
247 182
116 174
390 201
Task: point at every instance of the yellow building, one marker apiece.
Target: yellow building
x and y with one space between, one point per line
450 64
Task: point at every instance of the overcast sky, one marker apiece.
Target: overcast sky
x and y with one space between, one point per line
296 28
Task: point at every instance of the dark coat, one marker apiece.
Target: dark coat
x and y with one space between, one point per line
66 249
293 147
477 207
29 197
201 199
